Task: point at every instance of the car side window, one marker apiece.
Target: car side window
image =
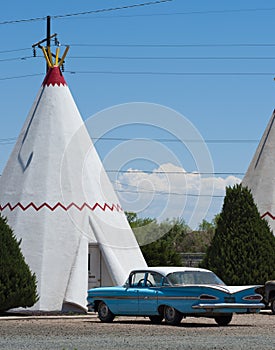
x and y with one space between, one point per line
137 279
154 279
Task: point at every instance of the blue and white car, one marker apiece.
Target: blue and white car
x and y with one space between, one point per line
171 293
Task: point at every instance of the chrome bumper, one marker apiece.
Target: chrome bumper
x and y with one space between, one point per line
228 306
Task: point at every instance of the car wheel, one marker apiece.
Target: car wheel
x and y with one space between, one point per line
104 313
272 304
156 319
223 320
172 316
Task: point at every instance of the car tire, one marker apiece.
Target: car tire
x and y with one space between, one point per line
272 305
223 320
156 319
104 313
172 316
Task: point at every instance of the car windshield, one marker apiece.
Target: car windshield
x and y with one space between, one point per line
194 277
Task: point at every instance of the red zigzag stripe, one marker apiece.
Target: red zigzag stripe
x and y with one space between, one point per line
267 213
106 206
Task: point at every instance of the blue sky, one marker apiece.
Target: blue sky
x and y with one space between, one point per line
170 54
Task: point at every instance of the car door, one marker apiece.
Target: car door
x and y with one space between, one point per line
148 294
128 301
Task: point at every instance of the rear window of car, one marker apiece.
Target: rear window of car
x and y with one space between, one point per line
194 277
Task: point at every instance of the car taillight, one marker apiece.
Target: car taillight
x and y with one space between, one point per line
207 297
254 297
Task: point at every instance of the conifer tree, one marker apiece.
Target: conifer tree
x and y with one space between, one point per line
243 247
17 283
163 237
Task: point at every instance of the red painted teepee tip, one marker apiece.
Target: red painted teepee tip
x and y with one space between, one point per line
54 77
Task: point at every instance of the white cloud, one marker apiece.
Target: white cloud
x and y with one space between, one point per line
169 192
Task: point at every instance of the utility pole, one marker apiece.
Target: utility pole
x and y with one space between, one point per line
47 40
48 37
47 50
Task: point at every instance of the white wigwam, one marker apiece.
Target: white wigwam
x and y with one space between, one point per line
260 176
58 200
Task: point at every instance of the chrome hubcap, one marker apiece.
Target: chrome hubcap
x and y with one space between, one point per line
104 310
170 313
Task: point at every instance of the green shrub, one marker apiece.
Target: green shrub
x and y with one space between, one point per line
242 250
17 283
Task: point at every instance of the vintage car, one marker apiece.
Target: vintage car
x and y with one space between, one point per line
173 293
268 293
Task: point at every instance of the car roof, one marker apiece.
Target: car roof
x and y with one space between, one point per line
165 270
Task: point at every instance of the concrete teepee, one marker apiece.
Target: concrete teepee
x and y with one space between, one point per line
260 176
58 200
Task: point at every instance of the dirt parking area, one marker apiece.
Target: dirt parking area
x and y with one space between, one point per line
87 332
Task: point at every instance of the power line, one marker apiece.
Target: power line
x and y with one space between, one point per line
175 45
138 15
156 46
86 12
173 57
170 193
151 73
176 140
147 58
112 9
16 58
7 141
155 57
23 20
175 73
157 172
161 140
22 76
144 191
205 12
139 190
14 50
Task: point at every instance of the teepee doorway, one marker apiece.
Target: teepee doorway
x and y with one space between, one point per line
94 266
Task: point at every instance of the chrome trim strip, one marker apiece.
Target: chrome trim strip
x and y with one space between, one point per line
178 298
113 298
138 296
228 306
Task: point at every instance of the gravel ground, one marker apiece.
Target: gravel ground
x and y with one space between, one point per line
87 332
